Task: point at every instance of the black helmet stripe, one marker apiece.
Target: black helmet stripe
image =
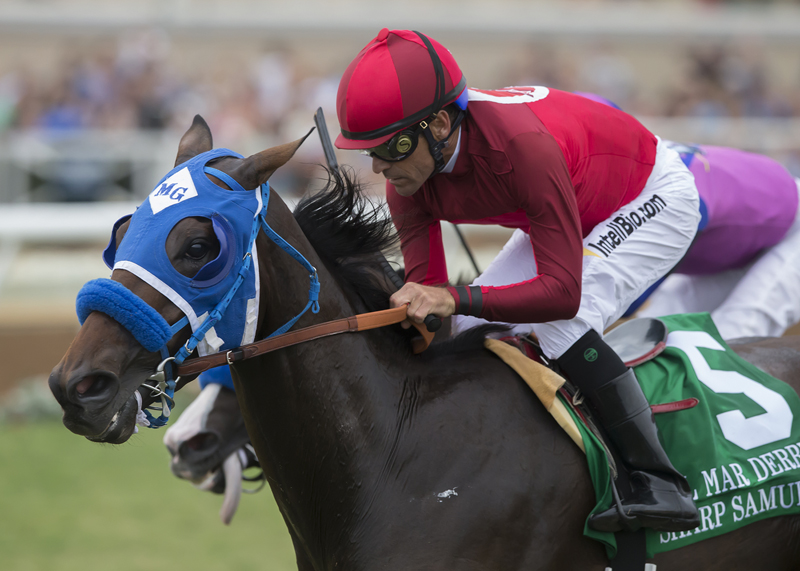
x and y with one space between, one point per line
407 121
437 70
438 100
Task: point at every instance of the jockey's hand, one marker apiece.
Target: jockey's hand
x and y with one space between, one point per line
423 301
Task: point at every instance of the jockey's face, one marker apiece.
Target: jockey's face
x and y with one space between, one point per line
407 175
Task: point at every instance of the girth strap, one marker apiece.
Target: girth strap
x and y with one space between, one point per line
360 322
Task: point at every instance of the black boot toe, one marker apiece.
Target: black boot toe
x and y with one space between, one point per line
658 502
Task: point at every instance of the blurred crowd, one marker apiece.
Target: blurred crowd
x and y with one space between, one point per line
134 86
716 80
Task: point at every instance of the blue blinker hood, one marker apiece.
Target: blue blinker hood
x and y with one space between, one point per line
220 302
186 191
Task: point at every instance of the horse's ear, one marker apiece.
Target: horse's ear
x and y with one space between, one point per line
256 169
194 141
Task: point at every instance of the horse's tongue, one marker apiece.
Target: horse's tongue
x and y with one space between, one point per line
232 469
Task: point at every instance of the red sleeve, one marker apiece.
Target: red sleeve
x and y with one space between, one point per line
540 180
420 240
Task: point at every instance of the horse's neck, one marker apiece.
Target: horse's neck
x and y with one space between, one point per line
334 388
316 412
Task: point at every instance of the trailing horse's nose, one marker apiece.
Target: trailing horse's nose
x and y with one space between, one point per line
199 447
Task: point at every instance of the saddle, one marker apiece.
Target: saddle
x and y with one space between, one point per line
636 341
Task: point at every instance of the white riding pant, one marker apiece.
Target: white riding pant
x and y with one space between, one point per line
623 256
759 300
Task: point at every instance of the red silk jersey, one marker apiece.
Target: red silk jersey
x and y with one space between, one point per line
546 161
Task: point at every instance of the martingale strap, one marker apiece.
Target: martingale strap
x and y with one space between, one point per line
355 323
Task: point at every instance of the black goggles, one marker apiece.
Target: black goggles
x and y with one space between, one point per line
398 147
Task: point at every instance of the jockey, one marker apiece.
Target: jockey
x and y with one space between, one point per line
744 266
602 208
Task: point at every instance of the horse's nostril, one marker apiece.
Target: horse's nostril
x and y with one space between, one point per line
84 385
92 385
199 446
200 441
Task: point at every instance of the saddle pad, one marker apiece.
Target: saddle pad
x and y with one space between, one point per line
739 448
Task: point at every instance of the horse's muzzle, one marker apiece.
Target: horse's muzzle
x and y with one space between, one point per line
198 456
122 425
90 404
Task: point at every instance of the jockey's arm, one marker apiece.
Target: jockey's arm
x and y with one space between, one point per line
540 182
425 265
543 189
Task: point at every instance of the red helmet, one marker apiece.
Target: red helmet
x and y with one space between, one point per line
400 78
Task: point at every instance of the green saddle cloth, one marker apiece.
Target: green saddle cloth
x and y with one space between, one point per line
738 447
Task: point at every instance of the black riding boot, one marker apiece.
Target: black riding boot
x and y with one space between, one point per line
661 498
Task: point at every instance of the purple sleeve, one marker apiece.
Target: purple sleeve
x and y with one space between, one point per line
751 200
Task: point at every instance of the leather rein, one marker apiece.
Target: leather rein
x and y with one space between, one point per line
352 324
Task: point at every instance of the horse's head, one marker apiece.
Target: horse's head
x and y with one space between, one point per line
209 442
174 261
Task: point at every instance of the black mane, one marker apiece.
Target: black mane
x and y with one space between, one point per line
350 232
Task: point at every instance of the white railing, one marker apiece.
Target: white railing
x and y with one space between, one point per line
132 161
30 160
59 223
126 164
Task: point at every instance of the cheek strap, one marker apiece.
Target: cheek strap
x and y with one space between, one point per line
435 147
118 302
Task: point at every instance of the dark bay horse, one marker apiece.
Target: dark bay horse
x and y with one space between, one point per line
379 459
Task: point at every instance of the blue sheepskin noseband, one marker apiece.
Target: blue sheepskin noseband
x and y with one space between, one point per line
121 304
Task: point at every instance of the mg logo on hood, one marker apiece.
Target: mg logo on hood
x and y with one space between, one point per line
175 189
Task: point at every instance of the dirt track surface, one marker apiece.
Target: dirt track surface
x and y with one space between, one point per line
29 352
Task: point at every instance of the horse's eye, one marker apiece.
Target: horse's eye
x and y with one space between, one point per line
197 250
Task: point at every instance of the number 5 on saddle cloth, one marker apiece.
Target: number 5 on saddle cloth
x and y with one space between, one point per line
738 447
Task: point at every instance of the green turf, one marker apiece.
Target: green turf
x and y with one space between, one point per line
67 504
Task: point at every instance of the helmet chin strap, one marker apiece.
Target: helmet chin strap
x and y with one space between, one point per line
435 147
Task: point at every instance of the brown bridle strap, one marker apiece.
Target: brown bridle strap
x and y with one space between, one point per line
355 323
